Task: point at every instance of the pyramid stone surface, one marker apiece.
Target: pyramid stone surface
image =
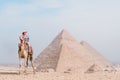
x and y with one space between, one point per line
48 59
65 53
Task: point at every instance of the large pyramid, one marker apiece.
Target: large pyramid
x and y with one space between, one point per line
66 54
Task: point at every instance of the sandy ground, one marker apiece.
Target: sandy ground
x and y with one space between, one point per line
61 76
11 73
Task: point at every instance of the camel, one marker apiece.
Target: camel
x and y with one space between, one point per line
23 54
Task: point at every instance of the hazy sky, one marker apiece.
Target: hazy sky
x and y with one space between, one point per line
95 21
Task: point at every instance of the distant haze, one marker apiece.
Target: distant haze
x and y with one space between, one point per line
97 22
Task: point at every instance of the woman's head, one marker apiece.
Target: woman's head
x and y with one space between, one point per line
24 33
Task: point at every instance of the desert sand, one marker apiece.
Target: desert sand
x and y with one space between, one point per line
11 73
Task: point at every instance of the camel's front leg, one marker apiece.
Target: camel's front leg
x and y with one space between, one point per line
25 65
20 64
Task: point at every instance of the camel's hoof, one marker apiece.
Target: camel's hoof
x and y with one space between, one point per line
34 72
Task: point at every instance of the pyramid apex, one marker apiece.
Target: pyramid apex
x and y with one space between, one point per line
64 34
64 30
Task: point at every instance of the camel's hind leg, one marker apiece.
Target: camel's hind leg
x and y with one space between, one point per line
33 67
31 60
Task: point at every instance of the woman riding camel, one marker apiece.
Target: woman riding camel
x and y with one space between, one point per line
24 40
25 51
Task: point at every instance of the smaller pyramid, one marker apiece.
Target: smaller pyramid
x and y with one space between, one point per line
98 58
93 68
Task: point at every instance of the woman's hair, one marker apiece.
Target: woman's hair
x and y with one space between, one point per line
24 32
